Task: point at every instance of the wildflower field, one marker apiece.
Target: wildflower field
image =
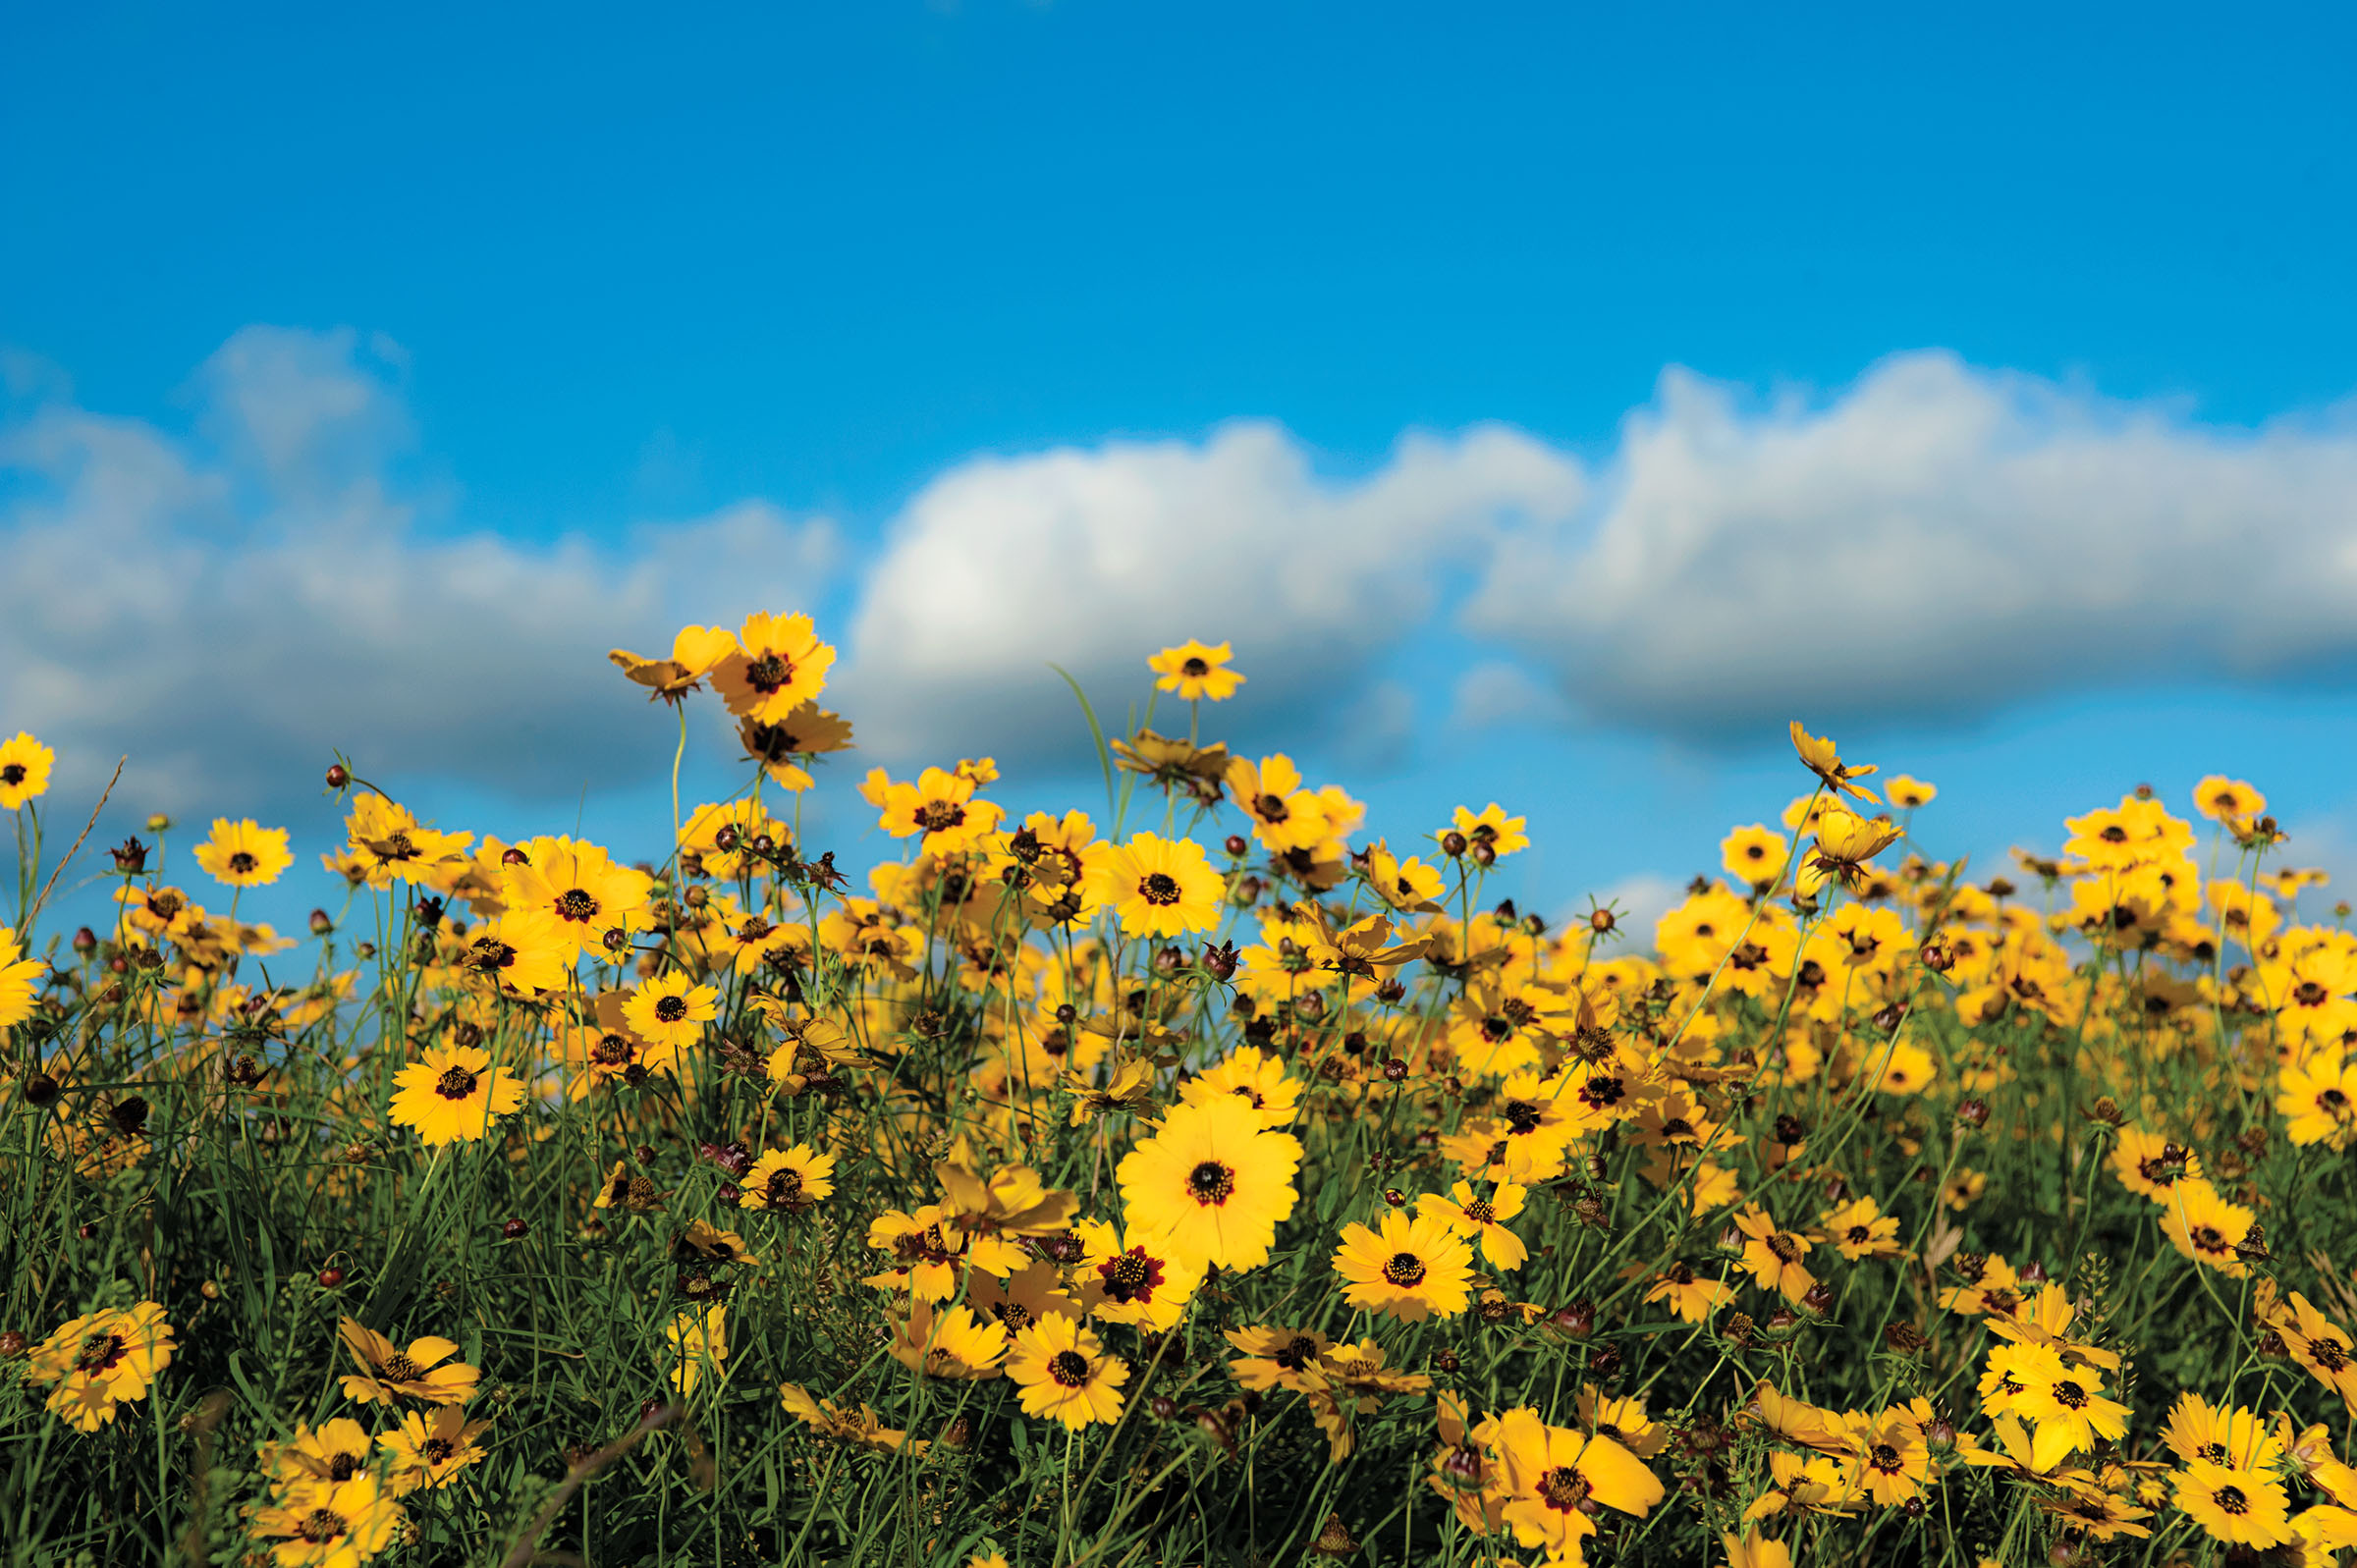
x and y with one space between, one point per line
1196 1178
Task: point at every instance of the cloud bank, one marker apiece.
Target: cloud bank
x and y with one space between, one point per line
226 601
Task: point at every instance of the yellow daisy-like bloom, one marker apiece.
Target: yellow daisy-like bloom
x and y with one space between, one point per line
101 1361
940 810
1692 1296
700 1341
2228 800
1275 1357
1907 794
1774 1256
334 1451
1211 1185
431 1450
579 888
694 650
670 1009
24 765
787 1181
1756 853
1482 1219
419 1373
780 665
392 845
1559 1476
453 1094
1490 833
1064 1372
1822 758
1252 1074
1411 1268
2318 1097
20 979
2205 1227
1159 887
2149 1164
1197 670
948 1342
1406 885
2242 1507
331 1527
1129 1282
1285 814
244 854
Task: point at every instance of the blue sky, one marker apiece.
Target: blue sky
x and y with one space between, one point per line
1562 400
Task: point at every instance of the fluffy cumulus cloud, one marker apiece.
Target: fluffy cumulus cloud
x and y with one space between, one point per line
1091 559
1936 539
228 605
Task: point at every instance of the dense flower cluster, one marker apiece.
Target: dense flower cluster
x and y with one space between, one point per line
1211 1180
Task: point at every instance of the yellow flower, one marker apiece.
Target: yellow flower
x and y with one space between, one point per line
1482 1219
1195 670
419 1372
1275 1357
2205 1227
780 665
24 765
1212 1184
808 732
860 1427
1774 1256
940 809
699 1341
1406 885
101 1361
1559 1476
2228 800
453 1094
948 1342
1907 794
1284 815
431 1450
2242 1507
787 1181
338 1526
1064 1372
21 980
1411 1269
694 650
1144 1286
244 854
392 845
336 1450
1159 887
578 887
1490 833
1252 1074
1820 758
1756 853
670 1009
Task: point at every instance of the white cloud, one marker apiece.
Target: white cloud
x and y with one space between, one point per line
1637 901
228 608
1936 538
1494 694
1093 558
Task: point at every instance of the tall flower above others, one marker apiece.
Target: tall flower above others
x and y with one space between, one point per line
1159 887
244 854
453 1094
1212 1184
1820 758
1197 670
694 650
24 765
780 665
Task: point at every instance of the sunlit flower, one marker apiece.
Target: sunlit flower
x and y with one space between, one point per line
453 1094
1197 670
1211 1184
244 854
1064 1373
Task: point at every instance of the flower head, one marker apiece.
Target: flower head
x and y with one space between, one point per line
244 854
1211 1184
453 1094
1062 1372
1197 670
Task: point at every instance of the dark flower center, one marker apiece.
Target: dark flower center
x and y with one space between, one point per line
2232 1500
1564 1488
1297 1353
670 1009
938 816
343 1467
1480 1213
1194 668
785 1186
399 1368
2071 1396
1270 808
1859 1235
321 1526
1069 1368
1130 1276
243 863
1159 887
768 673
1782 1246
456 1083
99 1353
1522 1116
611 1051
1211 1183
576 904
437 1449
1405 1270
1885 1459
2329 1354
12 774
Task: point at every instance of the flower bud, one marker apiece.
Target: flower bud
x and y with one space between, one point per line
338 776
1236 847
1454 843
1973 1112
41 1090
516 1230
1395 1071
159 823
330 1277
85 942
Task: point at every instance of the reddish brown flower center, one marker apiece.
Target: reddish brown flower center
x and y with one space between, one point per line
1159 887
1069 1368
1211 1183
456 1083
1405 1270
